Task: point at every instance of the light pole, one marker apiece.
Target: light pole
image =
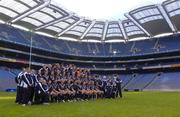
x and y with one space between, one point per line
30 49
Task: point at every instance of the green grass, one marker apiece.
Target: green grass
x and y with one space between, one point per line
134 104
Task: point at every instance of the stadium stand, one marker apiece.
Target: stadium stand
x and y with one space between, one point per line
166 82
150 81
142 47
7 79
140 82
138 62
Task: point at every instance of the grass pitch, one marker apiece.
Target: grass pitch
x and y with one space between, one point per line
133 104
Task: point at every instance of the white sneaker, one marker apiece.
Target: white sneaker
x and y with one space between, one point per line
46 103
29 103
24 105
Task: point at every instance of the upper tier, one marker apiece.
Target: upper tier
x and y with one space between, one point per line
78 48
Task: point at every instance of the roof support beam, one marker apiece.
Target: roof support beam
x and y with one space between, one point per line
138 24
123 30
61 10
166 17
31 11
54 22
105 30
87 30
69 28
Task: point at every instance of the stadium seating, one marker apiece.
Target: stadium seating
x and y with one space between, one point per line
167 81
142 47
140 81
151 81
7 79
164 81
145 46
9 33
126 79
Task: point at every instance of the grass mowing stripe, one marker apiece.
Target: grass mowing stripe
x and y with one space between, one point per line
133 104
6 98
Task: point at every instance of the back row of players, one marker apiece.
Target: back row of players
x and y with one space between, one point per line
60 83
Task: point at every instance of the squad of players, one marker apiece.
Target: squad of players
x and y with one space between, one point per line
61 83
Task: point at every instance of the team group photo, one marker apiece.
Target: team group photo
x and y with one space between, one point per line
62 83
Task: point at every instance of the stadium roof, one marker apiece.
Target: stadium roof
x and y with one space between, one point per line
47 17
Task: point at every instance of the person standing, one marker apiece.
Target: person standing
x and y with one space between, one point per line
18 81
25 85
28 87
118 84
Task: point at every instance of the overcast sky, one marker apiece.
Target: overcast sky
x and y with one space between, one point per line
104 9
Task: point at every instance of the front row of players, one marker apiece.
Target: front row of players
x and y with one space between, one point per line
37 90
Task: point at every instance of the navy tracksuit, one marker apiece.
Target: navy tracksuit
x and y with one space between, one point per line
41 93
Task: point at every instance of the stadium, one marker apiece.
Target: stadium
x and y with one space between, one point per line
142 50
